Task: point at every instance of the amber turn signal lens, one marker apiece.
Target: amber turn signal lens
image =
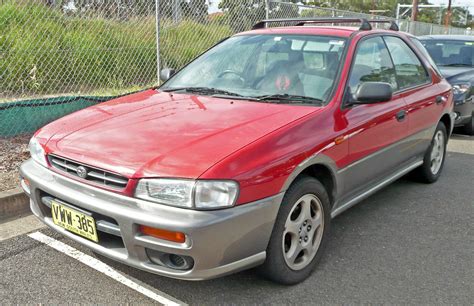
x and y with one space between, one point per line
25 184
163 234
339 140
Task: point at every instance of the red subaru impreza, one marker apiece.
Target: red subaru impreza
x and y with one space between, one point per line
244 156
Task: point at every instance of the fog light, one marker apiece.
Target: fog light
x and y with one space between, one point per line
163 234
172 261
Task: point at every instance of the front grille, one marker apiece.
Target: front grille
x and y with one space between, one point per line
89 173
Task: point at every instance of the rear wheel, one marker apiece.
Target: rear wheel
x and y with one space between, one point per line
299 233
469 127
433 161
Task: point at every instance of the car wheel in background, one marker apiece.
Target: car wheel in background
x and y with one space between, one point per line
299 233
434 158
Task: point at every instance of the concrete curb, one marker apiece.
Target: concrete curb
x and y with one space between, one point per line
13 203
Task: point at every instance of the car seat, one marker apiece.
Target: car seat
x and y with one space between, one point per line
283 77
466 55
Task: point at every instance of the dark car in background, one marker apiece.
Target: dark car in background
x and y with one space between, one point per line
454 56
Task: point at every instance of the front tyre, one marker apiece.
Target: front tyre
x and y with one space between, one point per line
433 161
299 233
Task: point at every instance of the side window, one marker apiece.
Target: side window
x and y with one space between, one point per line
372 63
423 50
410 71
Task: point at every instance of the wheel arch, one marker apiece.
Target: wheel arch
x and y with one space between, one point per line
446 119
321 168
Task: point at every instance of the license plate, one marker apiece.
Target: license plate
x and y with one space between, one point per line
74 221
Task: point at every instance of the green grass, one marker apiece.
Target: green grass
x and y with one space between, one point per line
43 51
182 42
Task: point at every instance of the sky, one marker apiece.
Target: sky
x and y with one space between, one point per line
456 2
213 6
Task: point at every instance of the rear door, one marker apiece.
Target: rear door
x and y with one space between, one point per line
424 100
376 130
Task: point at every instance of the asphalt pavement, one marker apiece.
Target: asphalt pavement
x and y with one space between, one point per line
409 243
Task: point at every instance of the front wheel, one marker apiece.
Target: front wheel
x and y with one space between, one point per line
299 233
433 161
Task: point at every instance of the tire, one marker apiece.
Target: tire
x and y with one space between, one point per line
434 158
469 127
300 232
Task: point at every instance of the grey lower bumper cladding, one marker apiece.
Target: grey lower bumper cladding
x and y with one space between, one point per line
219 242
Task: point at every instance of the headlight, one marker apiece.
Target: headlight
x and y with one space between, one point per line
37 152
460 88
201 194
166 191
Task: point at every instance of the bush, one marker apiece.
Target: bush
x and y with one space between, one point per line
184 41
44 51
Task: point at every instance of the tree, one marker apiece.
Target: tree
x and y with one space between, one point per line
240 15
414 10
447 20
195 9
283 10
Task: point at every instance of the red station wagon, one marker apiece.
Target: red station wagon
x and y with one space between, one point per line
243 157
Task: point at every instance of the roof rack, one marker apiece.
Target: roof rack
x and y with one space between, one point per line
364 23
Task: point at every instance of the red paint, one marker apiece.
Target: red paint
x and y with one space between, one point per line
153 134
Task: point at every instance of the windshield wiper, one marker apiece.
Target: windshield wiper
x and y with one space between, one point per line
287 98
282 98
456 65
203 90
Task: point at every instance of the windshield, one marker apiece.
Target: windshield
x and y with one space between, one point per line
265 66
451 52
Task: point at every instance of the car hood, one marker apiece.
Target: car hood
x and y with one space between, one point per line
158 134
457 73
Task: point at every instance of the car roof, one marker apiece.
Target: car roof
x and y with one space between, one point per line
314 30
447 37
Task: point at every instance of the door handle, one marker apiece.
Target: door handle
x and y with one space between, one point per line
401 115
440 99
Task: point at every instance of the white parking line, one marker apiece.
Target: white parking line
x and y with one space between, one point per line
99 266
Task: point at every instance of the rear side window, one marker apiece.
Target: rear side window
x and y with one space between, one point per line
372 64
410 72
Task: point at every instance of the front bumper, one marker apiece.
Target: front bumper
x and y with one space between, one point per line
219 242
464 111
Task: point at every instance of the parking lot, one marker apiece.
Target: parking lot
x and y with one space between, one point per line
409 243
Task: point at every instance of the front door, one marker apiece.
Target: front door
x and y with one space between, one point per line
377 130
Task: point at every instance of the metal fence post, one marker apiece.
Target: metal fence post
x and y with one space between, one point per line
267 9
157 22
176 11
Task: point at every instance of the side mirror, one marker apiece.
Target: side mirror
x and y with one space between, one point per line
373 92
166 73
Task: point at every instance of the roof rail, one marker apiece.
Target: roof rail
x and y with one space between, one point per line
364 23
393 24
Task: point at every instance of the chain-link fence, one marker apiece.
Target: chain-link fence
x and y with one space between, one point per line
60 55
57 47
284 10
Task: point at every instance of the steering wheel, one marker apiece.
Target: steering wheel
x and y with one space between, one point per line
229 71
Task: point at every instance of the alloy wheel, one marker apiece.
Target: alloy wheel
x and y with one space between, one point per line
437 152
303 232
